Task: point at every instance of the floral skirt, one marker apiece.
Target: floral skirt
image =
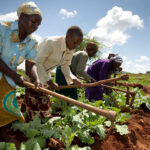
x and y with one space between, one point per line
36 103
9 110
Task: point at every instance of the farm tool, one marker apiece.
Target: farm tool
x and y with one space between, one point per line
110 115
114 82
128 95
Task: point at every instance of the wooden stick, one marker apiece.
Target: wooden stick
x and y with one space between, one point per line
134 85
111 115
116 104
110 87
122 77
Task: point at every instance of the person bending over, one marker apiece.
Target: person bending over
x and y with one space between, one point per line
78 66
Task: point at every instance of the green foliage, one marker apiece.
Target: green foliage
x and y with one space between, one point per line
30 144
121 129
79 148
87 39
107 123
7 146
123 117
143 79
73 121
101 131
20 91
83 45
67 136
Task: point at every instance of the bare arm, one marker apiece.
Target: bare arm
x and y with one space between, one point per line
11 73
31 70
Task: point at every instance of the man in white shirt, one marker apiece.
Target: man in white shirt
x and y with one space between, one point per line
58 51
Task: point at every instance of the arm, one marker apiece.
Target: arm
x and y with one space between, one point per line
12 74
80 70
68 74
31 70
6 70
65 68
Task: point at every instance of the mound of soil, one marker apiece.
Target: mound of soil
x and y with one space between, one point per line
137 139
146 90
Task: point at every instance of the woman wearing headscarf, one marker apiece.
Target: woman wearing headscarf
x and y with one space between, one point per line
17 45
101 70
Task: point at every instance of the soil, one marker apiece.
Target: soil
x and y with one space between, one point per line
137 139
146 90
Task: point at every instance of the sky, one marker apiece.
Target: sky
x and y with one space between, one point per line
122 25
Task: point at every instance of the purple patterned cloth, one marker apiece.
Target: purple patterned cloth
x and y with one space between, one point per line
98 70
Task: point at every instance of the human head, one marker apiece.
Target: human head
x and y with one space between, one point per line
116 62
91 49
111 55
74 37
30 17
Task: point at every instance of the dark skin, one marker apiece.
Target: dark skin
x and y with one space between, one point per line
115 65
92 51
27 25
72 42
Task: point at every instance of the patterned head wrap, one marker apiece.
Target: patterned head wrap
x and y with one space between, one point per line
29 8
117 59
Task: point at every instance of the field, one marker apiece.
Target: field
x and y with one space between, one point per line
143 79
74 128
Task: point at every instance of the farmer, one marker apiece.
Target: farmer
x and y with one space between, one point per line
78 65
52 52
17 45
101 70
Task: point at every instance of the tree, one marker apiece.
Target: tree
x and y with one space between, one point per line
83 45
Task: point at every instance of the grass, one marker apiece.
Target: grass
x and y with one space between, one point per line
143 79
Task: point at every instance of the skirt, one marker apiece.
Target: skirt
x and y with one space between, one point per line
60 80
9 110
36 103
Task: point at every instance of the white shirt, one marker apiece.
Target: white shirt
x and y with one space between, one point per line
52 52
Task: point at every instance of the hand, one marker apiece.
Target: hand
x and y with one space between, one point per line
77 82
52 86
93 80
38 84
19 80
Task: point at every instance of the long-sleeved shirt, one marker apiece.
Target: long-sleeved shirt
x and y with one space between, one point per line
53 52
98 70
12 51
78 64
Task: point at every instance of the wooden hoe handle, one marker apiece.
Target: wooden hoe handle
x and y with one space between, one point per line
111 115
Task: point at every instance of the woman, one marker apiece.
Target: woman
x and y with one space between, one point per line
17 45
101 70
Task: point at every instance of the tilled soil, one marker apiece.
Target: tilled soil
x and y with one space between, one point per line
146 90
137 139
